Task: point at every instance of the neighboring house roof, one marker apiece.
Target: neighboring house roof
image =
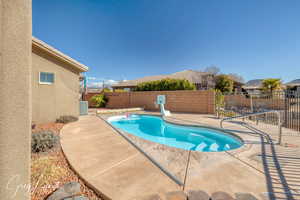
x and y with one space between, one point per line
94 90
253 84
59 55
295 82
190 75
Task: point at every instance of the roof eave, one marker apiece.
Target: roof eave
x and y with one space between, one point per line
54 52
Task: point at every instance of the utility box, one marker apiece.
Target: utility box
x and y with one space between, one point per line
83 107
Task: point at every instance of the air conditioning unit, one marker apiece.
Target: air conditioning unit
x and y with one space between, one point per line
83 107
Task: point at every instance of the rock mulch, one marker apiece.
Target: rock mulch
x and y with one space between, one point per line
51 174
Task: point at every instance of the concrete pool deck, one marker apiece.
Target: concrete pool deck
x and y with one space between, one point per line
115 168
109 163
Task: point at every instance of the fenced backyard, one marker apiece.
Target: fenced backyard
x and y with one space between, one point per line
285 102
259 151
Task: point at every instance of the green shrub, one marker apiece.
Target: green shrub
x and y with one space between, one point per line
66 119
99 100
166 84
43 141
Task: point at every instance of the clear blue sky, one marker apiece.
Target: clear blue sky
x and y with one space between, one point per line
128 39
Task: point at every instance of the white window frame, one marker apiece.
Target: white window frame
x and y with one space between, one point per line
46 83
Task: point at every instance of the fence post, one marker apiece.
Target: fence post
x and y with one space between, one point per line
251 106
129 99
216 105
279 127
285 108
251 103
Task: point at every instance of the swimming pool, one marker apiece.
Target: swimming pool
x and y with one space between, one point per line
155 129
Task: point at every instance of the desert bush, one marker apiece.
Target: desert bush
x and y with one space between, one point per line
99 100
66 119
165 85
43 141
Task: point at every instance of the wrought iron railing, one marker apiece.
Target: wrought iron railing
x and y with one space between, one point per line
279 122
287 102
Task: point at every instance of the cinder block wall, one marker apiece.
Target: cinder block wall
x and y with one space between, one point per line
177 101
118 99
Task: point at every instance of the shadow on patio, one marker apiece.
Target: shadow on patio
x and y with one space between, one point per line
281 167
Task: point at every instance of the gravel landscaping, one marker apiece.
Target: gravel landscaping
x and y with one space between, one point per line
50 170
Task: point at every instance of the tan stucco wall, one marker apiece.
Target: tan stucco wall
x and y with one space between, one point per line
15 110
61 98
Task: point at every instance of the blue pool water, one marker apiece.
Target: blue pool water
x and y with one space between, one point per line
155 129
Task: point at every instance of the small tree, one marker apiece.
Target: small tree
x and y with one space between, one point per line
99 100
271 84
237 78
212 69
224 83
219 101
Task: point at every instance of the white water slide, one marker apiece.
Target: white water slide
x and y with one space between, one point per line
161 100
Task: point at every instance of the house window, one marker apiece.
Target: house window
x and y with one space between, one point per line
46 78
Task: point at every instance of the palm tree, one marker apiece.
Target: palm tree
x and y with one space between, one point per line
271 84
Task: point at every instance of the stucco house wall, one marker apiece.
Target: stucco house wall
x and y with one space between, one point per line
15 109
50 101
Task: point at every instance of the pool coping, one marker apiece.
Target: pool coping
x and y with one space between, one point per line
180 183
190 125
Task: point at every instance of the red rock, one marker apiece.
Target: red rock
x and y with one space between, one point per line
221 196
152 197
197 195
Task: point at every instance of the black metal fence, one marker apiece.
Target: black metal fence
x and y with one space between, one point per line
287 102
292 110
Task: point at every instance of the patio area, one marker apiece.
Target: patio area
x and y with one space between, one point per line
122 166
